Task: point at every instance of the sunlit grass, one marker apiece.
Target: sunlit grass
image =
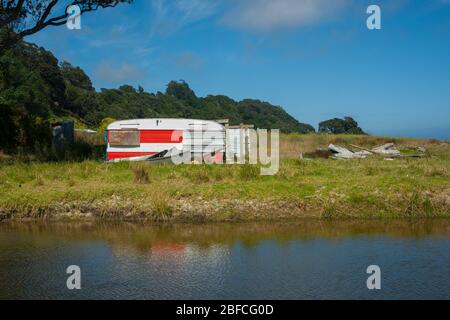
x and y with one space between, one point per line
322 188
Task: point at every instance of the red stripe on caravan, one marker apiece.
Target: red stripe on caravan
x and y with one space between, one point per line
161 136
121 155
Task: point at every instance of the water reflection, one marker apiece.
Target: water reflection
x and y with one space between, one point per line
294 260
173 237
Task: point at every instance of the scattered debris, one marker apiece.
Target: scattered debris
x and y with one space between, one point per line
388 149
339 150
361 148
344 153
421 149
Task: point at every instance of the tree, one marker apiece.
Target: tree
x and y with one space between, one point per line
31 92
181 91
75 76
127 88
21 18
104 124
338 126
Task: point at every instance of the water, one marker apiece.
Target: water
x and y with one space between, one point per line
296 260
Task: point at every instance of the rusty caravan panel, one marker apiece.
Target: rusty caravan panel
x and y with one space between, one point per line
123 138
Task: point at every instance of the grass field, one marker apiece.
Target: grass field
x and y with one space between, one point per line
325 188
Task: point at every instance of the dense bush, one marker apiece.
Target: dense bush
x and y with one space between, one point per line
337 126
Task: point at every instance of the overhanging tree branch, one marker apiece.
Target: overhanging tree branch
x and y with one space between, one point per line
21 18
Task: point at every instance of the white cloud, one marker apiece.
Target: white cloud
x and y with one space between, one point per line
275 15
170 16
194 10
111 72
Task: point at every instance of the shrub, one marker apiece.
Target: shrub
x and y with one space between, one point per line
141 173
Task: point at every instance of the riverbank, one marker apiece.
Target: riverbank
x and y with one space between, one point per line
320 188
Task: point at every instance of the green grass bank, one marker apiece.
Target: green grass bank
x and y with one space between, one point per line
319 188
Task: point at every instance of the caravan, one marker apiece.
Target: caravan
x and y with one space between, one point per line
142 139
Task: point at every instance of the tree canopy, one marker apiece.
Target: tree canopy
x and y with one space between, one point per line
347 125
20 18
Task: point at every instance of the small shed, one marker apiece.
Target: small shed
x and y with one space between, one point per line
62 133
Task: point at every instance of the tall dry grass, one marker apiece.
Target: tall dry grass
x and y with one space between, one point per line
141 172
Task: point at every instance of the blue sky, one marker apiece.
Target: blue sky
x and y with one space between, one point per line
315 58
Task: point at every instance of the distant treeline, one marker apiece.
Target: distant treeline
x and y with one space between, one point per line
35 90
